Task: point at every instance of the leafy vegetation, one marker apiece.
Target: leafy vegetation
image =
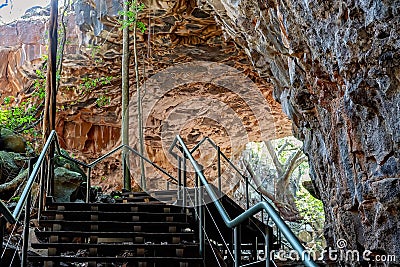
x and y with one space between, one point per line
272 166
22 117
15 199
88 84
311 209
133 9
103 100
279 167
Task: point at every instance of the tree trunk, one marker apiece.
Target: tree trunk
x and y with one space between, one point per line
139 105
284 200
49 119
125 101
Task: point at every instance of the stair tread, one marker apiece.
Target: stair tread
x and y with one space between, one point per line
138 213
103 233
122 245
153 203
110 222
141 193
112 259
114 207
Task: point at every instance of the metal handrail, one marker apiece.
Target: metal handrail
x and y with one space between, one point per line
219 154
7 213
232 223
216 147
25 193
89 166
14 216
54 138
52 145
108 154
245 177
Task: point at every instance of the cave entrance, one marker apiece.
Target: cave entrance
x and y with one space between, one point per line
280 171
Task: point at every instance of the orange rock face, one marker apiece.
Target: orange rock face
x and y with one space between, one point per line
195 83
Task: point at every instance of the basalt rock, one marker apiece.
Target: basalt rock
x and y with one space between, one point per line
335 69
10 166
66 183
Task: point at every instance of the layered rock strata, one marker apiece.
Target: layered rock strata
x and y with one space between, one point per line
195 104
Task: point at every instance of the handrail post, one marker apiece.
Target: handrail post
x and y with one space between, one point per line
196 191
24 258
236 244
262 211
247 192
201 230
201 225
51 169
88 174
200 209
126 171
179 178
219 168
254 251
41 189
3 223
184 181
45 180
267 248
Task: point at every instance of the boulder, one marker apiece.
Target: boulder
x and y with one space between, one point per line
8 167
80 193
63 162
12 142
65 183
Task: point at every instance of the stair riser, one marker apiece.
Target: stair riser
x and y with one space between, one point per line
147 233
127 216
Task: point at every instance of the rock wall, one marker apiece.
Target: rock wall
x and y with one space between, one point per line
20 51
179 34
335 70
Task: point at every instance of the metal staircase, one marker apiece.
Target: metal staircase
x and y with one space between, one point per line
177 226
141 232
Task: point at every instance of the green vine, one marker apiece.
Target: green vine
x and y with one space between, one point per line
23 117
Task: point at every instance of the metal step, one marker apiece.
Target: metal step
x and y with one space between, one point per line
116 207
122 216
137 226
112 249
155 236
164 261
140 232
